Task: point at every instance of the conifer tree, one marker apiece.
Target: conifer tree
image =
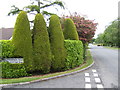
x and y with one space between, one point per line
22 40
70 31
57 43
41 45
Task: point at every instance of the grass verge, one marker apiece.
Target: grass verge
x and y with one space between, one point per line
89 61
115 48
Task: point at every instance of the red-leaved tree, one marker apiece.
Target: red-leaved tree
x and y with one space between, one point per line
85 28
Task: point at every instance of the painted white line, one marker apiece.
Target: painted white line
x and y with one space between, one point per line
87 79
87 74
95 74
99 86
93 70
87 85
97 80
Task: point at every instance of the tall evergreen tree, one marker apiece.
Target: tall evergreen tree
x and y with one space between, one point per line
57 43
41 45
70 31
22 39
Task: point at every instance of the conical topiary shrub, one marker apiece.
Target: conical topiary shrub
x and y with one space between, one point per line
70 31
22 40
41 45
57 44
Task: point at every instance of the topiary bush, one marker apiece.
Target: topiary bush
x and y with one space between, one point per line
13 70
74 50
41 45
22 40
70 31
57 44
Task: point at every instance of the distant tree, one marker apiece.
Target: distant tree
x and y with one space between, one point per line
57 43
70 31
22 40
110 37
41 45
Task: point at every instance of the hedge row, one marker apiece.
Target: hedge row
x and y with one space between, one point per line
74 58
74 53
13 70
7 49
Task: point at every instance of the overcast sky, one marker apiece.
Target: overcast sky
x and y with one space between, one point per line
102 11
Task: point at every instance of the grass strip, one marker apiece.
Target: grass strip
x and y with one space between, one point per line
89 61
115 48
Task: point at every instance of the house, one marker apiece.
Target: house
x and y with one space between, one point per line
6 33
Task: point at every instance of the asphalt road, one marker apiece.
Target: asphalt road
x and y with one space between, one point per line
106 65
106 61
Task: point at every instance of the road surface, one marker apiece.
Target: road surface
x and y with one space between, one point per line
103 74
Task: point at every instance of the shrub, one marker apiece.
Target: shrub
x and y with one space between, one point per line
7 49
57 44
22 39
13 70
41 45
70 31
74 50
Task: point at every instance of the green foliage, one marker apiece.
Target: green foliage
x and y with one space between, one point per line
110 35
41 45
74 53
70 31
22 39
7 49
39 8
13 70
57 43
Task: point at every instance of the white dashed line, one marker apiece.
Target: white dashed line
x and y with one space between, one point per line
87 79
97 80
87 74
99 86
95 74
93 70
87 85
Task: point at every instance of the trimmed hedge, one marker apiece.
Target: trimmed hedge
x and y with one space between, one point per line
74 50
41 45
57 43
22 39
70 31
13 70
7 49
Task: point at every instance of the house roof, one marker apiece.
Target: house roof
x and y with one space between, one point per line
6 33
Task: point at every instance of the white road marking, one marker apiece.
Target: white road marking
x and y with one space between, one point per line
93 70
87 79
87 74
97 80
99 86
87 85
95 74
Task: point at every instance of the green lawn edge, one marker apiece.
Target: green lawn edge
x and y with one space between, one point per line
89 61
114 48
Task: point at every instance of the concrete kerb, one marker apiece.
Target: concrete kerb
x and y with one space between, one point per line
44 79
